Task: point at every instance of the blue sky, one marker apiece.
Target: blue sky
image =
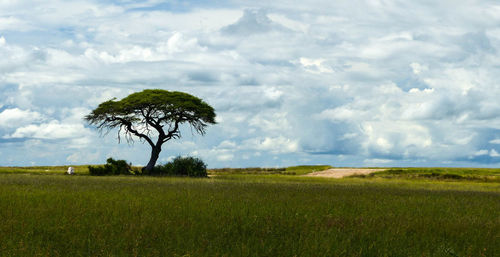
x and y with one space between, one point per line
345 83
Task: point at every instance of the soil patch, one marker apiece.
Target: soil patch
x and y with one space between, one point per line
341 172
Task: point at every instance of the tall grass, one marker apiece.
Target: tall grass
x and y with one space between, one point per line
243 215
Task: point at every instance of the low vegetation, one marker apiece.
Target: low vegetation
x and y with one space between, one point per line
182 166
45 170
451 174
112 167
294 170
304 169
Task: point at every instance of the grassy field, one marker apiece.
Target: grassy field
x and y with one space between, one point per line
295 170
47 170
469 174
246 215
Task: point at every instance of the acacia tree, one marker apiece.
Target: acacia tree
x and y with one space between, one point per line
152 113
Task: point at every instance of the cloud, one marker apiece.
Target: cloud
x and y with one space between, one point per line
253 21
376 162
13 24
410 83
278 144
495 141
494 153
51 130
418 68
15 117
83 158
481 152
314 65
226 144
225 157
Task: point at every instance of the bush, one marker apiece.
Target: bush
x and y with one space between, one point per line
112 167
165 169
182 166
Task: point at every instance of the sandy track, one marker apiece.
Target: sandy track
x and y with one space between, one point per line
340 173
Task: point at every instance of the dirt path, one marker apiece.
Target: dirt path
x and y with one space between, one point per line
340 173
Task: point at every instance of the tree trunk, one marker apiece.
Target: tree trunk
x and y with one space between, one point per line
155 153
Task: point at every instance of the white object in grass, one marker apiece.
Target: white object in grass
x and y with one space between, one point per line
71 170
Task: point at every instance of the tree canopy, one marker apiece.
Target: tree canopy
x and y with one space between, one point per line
152 113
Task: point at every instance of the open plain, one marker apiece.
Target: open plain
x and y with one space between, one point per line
251 214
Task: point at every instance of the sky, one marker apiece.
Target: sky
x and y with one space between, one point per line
345 83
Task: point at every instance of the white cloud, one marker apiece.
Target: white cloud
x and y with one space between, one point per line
418 68
343 113
51 130
83 158
225 157
494 153
11 118
403 139
289 23
271 122
495 141
226 144
218 154
14 24
315 65
278 144
481 152
377 161
484 152
273 93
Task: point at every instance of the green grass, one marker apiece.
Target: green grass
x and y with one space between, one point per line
80 169
304 169
242 215
470 174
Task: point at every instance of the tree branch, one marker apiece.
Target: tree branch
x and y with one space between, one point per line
173 133
129 128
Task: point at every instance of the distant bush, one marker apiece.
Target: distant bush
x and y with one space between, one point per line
112 167
182 166
452 176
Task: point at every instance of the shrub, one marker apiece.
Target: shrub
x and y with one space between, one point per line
112 167
165 169
182 166
452 176
190 166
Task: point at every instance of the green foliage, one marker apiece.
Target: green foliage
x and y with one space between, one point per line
154 106
182 166
112 167
241 215
162 170
190 166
